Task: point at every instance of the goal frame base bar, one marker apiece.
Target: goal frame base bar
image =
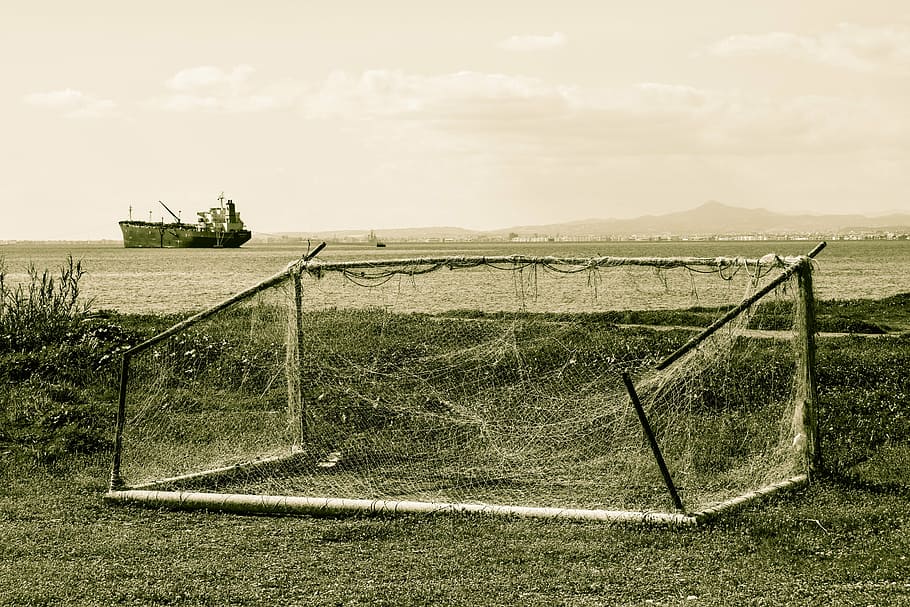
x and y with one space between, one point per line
316 506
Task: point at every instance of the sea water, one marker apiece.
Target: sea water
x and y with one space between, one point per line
185 280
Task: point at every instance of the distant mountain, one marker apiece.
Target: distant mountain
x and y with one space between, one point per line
715 218
711 218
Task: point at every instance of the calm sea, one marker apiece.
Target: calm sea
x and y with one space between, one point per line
183 280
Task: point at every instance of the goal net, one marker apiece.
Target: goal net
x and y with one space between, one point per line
491 384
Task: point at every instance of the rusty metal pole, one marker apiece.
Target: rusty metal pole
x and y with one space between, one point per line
655 448
116 481
807 382
297 367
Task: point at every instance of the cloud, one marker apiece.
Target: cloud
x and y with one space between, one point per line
72 103
209 76
391 93
212 89
533 43
497 111
215 103
847 46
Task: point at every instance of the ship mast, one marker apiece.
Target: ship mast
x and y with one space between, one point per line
219 228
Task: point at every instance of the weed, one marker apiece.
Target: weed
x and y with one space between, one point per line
42 309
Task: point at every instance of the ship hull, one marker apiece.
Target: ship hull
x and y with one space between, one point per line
150 235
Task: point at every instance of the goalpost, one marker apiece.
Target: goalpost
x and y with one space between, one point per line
509 385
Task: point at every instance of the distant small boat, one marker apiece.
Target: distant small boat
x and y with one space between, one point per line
219 227
372 238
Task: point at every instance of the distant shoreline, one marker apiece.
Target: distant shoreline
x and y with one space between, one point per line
272 241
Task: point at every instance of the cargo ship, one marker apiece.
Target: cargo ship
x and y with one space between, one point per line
219 227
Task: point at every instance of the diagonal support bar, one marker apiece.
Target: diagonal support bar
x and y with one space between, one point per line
668 480
692 343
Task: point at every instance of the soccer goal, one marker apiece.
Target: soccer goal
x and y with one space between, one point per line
657 390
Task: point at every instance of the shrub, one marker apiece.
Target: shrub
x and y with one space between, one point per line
41 310
55 366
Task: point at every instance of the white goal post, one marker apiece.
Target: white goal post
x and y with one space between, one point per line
510 385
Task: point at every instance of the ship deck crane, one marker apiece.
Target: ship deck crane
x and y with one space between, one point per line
171 212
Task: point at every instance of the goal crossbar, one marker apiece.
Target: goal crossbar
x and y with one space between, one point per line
580 263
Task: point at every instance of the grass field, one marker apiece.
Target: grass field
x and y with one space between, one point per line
845 540
827 545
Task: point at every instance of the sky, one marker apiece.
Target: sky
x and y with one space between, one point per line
326 115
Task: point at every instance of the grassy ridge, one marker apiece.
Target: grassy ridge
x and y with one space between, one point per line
855 316
844 540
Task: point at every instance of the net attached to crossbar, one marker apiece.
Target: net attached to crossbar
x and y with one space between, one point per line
476 383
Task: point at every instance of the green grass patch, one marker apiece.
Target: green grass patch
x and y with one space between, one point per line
828 544
891 314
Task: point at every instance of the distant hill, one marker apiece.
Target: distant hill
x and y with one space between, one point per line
714 218
711 218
